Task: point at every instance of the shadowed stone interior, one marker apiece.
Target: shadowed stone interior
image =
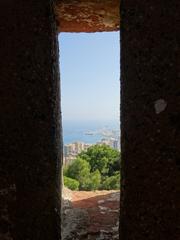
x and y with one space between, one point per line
150 121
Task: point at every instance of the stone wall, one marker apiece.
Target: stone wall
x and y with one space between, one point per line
87 15
30 122
150 118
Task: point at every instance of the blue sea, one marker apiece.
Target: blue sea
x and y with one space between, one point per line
77 130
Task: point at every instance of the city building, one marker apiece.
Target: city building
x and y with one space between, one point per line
112 142
72 150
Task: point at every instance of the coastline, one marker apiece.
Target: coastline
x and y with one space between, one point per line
74 131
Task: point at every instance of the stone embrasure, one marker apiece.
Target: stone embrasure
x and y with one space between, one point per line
87 15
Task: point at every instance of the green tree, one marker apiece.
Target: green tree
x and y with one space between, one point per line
102 158
96 168
79 169
95 180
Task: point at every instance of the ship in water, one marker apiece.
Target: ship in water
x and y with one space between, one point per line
89 133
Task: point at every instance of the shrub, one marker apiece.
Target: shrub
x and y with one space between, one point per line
79 170
71 183
94 181
112 182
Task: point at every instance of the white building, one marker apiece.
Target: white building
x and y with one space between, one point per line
73 149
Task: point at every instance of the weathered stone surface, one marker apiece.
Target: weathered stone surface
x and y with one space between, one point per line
83 219
30 122
150 120
88 15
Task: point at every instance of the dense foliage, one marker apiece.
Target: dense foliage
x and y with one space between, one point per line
71 183
96 168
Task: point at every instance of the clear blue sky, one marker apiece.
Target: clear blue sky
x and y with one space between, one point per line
90 72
